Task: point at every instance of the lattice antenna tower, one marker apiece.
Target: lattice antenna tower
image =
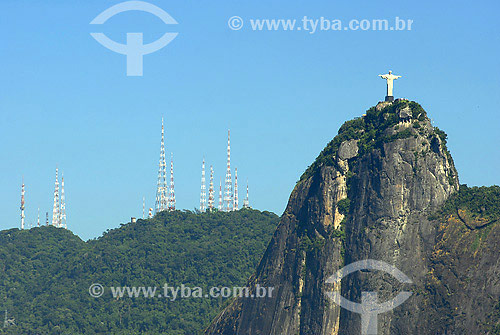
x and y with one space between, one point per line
143 208
235 197
220 195
228 190
171 199
22 205
161 187
62 207
55 210
246 203
211 199
203 194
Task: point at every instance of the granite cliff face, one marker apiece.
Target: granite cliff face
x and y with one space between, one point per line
369 195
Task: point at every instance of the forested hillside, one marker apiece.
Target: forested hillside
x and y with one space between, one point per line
45 272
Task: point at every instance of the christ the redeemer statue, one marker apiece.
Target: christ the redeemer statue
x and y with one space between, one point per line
390 79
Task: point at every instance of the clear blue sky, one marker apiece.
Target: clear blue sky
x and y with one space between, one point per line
65 100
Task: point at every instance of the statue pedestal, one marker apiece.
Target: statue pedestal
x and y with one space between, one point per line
389 98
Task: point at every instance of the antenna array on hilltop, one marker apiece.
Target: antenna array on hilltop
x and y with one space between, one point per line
165 191
228 201
58 209
165 194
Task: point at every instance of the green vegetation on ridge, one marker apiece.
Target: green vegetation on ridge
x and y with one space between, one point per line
45 272
481 202
370 131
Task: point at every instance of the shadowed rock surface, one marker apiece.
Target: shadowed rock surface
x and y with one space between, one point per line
370 195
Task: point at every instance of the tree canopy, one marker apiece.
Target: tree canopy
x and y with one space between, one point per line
45 272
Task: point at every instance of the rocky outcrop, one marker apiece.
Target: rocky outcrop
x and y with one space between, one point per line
348 149
367 196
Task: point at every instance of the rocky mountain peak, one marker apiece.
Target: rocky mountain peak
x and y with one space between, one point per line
366 196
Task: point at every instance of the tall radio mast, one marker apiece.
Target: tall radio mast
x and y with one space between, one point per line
235 206
62 212
55 210
22 205
220 195
246 203
203 195
211 190
171 200
143 208
161 189
228 196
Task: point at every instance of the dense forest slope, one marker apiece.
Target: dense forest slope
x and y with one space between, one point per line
386 189
45 272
